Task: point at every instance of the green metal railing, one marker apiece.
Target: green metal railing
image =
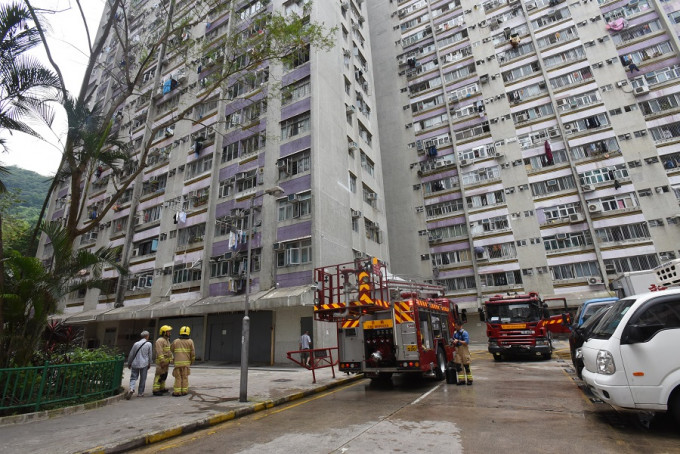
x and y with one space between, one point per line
25 389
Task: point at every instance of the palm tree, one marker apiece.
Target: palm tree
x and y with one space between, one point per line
32 290
24 83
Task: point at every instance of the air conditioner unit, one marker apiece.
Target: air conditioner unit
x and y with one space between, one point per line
530 6
465 162
135 252
482 257
351 109
593 281
499 155
344 5
610 269
594 207
356 213
561 236
292 197
353 146
240 175
282 164
552 182
587 188
643 90
372 196
575 217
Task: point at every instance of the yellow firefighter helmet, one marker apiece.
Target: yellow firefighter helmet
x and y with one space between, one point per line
165 329
185 330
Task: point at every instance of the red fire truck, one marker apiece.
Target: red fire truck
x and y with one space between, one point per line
385 325
521 325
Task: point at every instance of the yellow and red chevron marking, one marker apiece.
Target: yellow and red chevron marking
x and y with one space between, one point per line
350 323
329 307
401 312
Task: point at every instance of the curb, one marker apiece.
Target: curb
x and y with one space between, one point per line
155 437
48 414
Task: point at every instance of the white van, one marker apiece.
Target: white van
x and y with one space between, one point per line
632 359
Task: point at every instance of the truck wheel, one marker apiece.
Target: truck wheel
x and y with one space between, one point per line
674 405
440 371
498 357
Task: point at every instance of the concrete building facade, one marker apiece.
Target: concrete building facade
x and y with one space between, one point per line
523 146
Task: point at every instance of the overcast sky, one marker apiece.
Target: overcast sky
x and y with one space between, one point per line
68 42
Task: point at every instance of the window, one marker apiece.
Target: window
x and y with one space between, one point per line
294 164
295 126
198 167
367 164
192 234
184 273
295 253
659 314
634 263
301 205
352 183
501 279
246 180
230 152
458 283
574 270
297 58
151 214
298 90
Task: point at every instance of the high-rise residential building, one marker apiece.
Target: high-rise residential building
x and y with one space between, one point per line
503 146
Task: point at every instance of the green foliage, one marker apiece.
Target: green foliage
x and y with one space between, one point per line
83 355
20 207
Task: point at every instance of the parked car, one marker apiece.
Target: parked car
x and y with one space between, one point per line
589 307
631 358
579 334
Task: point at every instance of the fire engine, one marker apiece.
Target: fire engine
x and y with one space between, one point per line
521 325
385 325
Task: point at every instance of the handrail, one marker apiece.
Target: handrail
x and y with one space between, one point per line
320 358
25 389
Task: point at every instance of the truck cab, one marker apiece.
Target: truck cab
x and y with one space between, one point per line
521 325
631 359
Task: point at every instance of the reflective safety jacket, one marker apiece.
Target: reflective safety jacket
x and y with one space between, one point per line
183 351
163 355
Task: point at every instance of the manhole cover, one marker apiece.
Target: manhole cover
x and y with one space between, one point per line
281 380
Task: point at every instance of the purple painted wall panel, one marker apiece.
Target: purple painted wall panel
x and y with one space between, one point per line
297 185
57 214
444 198
223 209
295 279
456 273
446 222
217 23
220 247
239 104
63 192
218 289
294 231
296 108
295 145
297 74
451 247
645 44
440 176
429 113
226 172
242 134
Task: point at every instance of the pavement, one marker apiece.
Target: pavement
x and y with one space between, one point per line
117 425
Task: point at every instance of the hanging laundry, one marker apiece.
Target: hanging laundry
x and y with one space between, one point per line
182 217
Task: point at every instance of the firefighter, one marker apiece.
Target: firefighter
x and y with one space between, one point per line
185 354
163 360
461 339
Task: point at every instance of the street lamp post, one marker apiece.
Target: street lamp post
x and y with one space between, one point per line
245 329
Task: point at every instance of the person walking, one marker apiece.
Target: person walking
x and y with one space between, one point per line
184 353
461 339
305 342
139 361
163 360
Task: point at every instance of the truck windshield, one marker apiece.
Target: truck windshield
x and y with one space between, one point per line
612 318
513 312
